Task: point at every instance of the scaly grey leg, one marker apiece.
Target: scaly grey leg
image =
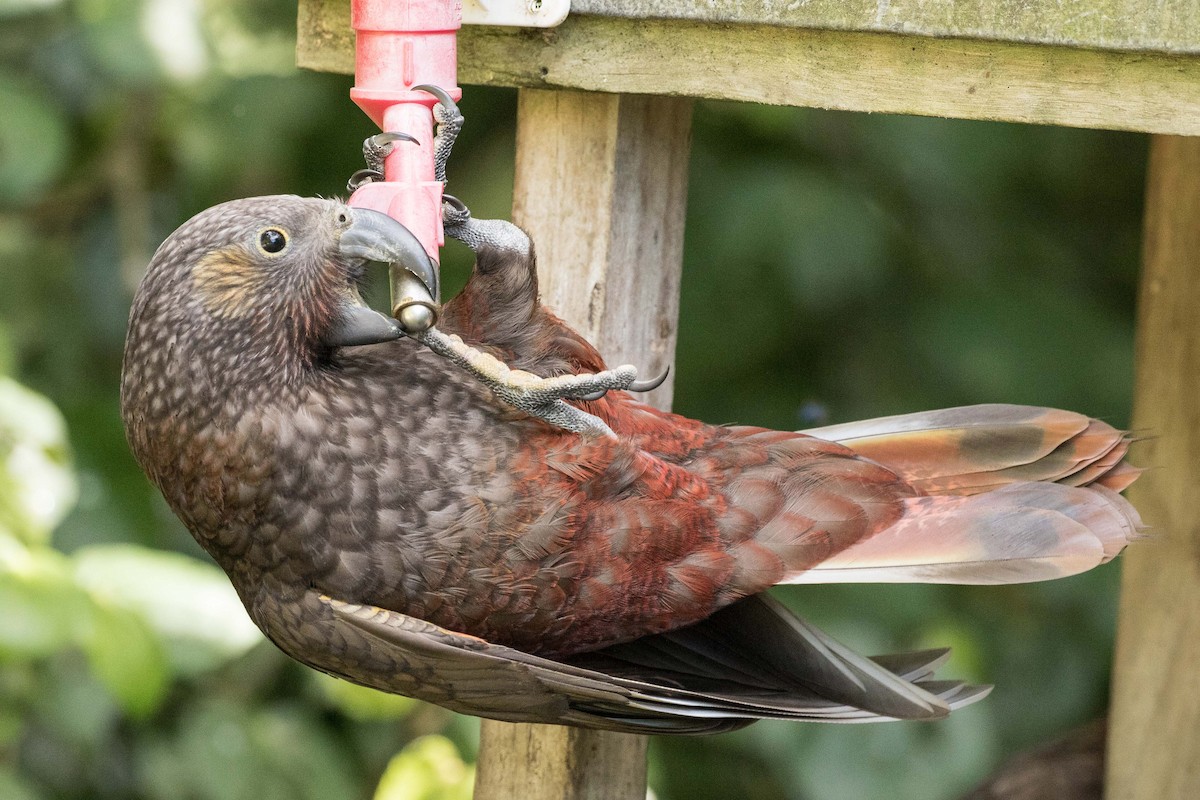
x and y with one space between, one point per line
539 397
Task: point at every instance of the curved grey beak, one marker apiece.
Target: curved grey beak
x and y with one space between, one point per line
373 236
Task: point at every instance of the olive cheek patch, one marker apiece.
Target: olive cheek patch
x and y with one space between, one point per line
227 282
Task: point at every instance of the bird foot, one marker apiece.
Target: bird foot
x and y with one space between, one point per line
456 217
378 147
534 395
449 122
455 213
477 234
375 149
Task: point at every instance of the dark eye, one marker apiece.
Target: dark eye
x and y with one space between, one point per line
272 240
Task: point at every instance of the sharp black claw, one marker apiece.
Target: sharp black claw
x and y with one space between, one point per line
363 176
636 386
382 140
649 385
457 213
442 96
378 147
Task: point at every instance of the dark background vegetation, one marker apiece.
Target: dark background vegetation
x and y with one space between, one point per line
838 266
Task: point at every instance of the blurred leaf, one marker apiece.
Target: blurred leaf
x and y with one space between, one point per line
33 140
37 485
248 43
184 600
10 727
304 757
429 768
967 660
899 760
71 704
12 787
113 34
751 763
173 29
234 751
43 611
128 659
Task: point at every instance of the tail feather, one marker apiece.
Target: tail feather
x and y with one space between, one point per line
1019 533
1119 477
975 449
916 665
1084 452
1104 467
1012 494
1133 521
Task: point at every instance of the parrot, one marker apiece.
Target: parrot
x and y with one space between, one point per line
480 514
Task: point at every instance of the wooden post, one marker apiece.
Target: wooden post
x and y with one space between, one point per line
601 186
1154 734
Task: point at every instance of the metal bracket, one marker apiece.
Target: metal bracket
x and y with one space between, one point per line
515 13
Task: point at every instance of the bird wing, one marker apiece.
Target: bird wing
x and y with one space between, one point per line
751 661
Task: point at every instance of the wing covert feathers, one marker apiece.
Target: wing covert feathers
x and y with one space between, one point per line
1012 494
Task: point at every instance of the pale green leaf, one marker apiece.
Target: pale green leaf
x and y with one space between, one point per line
43 611
184 600
429 768
37 483
128 659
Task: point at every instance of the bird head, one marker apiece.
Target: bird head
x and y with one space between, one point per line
269 285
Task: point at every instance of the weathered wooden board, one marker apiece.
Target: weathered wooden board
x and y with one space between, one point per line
1154 730
1148 25
601 186
855 71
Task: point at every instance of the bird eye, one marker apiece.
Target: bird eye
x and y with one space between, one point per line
272 240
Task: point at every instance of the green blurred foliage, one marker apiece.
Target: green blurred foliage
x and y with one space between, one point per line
429 768
838 266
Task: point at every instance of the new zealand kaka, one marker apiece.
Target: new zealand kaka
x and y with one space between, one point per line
387 518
